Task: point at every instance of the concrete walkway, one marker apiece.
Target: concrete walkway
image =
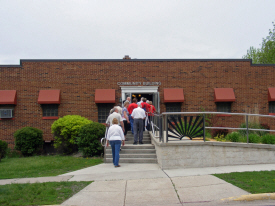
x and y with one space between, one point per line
147 184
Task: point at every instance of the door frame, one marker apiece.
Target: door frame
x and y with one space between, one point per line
139 89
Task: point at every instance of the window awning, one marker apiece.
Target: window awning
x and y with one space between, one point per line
173 95
8 97
105 96
224 95
271 94
49 97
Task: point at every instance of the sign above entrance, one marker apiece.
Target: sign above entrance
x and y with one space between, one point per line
138 83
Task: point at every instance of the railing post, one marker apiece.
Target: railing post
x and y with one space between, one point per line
161 128
166 127
204 127
247 136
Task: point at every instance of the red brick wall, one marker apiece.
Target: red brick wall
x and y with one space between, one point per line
78 80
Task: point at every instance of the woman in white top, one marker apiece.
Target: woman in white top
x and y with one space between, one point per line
115 136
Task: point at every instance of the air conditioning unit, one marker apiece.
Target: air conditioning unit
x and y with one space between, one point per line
6 113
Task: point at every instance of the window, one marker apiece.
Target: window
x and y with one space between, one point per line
6 111
103 111
173 107
272 107
223 106
50 110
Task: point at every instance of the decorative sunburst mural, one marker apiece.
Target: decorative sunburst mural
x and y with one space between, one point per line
182 127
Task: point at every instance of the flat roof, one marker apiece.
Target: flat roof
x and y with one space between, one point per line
136 60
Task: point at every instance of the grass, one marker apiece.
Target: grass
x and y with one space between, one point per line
43 166
253 182
39 193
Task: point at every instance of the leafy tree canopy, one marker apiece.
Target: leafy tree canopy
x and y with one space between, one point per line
265 54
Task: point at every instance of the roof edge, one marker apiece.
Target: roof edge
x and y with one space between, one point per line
135 60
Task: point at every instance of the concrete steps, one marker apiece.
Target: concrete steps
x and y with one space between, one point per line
130 153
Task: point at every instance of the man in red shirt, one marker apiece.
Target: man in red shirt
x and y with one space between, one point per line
130 109
144 106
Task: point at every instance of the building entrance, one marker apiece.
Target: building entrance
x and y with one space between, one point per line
138 96
149 92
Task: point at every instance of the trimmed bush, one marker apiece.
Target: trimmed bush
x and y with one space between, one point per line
253 125
65 132
254 138
268 139
3 149
233 137
88 140
28 140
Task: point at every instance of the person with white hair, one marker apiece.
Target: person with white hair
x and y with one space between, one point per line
138 115
119 109
128 99
141 100
116 114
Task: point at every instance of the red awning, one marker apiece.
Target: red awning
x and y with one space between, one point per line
49 97
173 95
224 95
271 94
8 97
105 96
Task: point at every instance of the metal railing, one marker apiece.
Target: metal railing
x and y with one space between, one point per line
159 123
156 126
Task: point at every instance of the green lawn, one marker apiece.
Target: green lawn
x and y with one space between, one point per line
253 182
49 193
43 166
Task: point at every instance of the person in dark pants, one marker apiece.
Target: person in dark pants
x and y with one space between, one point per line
115 136
125 118
138 115
130 109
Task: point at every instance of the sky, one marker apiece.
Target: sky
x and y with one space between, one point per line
142 29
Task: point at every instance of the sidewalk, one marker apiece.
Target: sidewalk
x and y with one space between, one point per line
147 184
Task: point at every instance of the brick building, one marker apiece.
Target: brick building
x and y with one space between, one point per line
37 92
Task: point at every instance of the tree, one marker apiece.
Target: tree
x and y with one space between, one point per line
265 54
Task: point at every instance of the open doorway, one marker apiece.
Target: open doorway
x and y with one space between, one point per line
138 96
149 92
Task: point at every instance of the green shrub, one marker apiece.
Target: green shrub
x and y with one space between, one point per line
208 134
268 139
88 139
3 149
254 138
28 140
253 125
66 130
233 137
243 139
220 138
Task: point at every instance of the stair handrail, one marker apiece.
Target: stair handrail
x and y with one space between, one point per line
156 118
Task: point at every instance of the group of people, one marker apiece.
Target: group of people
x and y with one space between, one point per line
134 115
